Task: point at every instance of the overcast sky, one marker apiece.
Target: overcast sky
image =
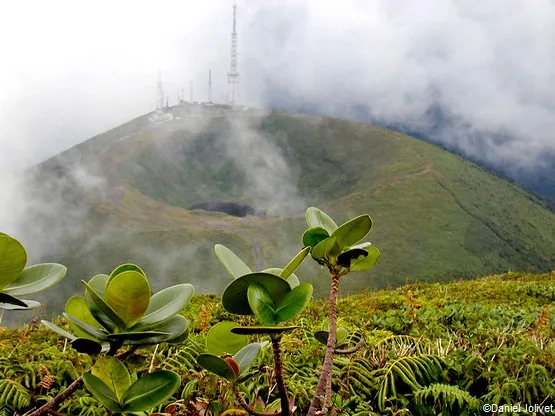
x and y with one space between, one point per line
72 69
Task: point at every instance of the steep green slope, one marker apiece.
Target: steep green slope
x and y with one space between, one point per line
437 216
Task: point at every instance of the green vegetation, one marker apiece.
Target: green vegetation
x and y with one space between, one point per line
18 280
438 216
275 296
419 350
488 340
119 310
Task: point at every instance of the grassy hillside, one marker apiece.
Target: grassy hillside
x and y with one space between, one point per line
437 216
483 341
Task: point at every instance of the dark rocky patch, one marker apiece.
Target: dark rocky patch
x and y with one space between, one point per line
230 208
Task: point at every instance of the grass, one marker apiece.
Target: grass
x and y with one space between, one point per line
436 216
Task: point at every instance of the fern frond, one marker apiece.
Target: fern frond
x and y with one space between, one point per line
536 383
446 399
14 395
508 392
181 360
406 373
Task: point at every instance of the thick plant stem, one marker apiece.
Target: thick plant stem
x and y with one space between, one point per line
327 397
285 411
330 348
49 407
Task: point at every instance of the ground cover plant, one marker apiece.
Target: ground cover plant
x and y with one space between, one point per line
18 280
484 332
422 349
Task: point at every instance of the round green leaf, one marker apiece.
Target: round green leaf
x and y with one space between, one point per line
313 236
232 263
76 306
322 337
128 294
125 268
353 231
318 218
137 337
350 256
13 258
361 245
98 285
217 366
113 373
247 355
165 331
367 262
167 302
235 298
261 304
295 263
220 340
36 278
100 310
58 330
30 304
326 248
7 300
294 302
245 377
273 270
102 392
182 337
293 280
260 330
86 346
96 333
340 337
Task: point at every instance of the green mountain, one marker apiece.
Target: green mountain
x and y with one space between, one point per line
126 195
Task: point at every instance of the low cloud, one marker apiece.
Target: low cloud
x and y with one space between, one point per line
269 180
489 64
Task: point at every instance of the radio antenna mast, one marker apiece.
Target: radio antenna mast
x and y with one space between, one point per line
160 102
210 86
233 74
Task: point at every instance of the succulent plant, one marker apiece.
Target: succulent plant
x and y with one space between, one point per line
119 309
110 382
273 296
18 280
336 247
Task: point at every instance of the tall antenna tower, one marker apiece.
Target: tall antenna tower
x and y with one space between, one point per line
209 86
191 91
233 75
160 102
